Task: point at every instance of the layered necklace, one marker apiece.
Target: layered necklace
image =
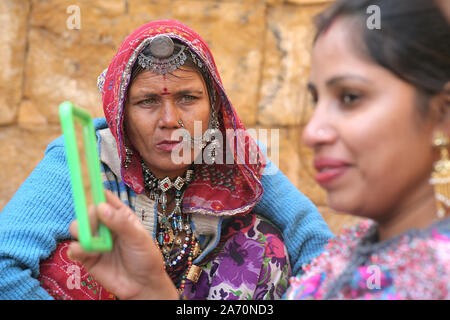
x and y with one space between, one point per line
174 236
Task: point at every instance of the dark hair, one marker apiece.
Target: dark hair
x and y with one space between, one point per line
413 41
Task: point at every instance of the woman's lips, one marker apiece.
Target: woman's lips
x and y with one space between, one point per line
169 145
329 169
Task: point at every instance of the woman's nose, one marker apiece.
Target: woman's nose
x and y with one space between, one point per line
319 130
169 115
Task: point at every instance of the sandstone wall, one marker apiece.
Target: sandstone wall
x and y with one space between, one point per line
261 47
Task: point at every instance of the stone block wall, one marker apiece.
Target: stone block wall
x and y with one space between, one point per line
261 47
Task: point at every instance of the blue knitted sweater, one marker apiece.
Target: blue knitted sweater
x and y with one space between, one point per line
37 218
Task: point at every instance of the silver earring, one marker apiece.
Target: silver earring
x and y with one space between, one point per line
180 122
128 155
212 131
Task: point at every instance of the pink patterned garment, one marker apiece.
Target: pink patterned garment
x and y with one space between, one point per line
413 265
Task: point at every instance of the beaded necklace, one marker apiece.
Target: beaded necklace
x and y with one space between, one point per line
175 238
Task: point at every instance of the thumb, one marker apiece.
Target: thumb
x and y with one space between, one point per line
123 223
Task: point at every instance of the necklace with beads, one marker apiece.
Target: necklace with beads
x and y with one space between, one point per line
174 236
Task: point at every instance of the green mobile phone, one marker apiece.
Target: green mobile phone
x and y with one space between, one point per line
69 114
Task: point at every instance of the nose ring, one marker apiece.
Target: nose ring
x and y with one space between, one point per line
180 122
322 133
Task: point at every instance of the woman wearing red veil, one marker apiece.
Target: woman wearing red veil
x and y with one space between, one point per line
201 214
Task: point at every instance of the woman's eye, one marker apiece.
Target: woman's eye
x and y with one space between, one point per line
148 102
350 98
187 99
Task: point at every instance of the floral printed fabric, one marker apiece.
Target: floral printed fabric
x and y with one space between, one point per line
413 265
250 262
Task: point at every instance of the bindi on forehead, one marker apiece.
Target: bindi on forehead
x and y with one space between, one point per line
165 91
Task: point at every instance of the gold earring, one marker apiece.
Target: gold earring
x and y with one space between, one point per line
440 178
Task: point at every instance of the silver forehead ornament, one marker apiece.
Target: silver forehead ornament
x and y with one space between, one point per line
162 55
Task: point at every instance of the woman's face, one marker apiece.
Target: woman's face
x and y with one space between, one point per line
155 104
372 147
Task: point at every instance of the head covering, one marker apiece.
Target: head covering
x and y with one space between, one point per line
217 189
